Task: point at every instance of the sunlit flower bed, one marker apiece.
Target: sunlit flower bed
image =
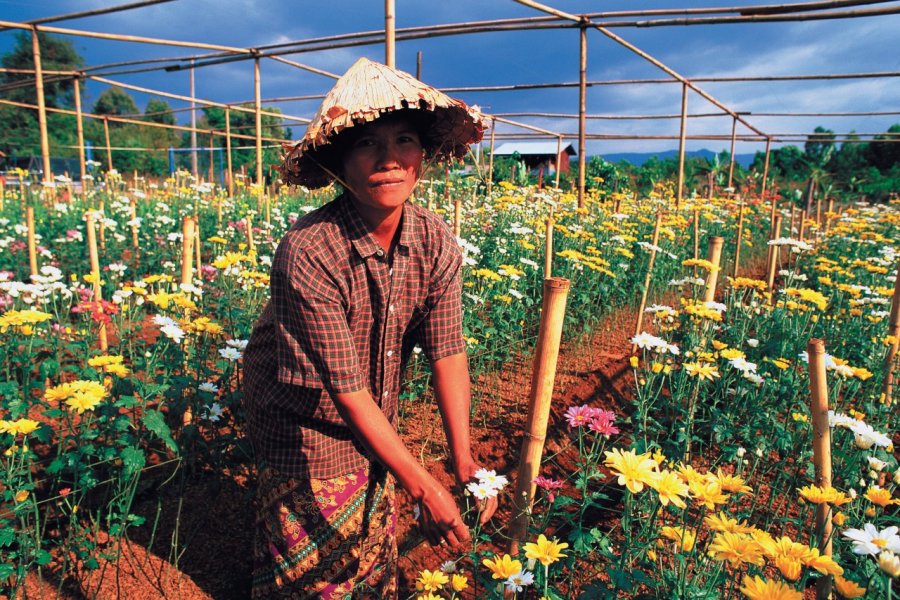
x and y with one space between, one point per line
709 474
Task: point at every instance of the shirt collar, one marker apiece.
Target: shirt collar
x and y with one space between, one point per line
363 240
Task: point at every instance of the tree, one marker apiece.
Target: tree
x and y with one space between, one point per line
115 101
885 154
819 146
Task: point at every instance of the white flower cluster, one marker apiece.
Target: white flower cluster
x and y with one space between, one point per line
487 485
646 341
864 434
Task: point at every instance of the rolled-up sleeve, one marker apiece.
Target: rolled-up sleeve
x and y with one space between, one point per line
311 317
441 331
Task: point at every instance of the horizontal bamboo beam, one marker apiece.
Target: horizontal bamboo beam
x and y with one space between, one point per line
690 116
95 12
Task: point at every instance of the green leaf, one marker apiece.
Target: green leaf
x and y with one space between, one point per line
7 570
42 558
7 537
153 420
133 460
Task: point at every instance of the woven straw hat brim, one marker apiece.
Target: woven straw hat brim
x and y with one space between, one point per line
365 92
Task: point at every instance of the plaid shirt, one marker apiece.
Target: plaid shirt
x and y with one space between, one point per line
344 317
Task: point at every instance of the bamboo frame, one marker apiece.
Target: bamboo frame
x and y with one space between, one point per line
772 264
42 106
582 110
821 443
740 238
490 178
731 153
714 256
187 250
890 356
193 123
647 279
556 291
230 174
548 247
260 178
109 160
79 126
681 144
94 258
765 177
389 33
32 246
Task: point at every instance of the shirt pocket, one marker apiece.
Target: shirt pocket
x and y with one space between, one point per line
420 312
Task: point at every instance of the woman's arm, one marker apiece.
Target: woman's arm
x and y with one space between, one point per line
453 393
440 521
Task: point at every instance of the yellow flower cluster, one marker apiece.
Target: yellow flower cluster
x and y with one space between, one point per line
202 325
22 319
110 364
78 395
18 427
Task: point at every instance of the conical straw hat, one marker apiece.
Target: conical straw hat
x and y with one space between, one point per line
365 92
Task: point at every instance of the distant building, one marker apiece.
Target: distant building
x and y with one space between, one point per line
539 154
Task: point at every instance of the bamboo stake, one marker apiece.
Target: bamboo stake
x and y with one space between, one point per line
828 214
818 216
802 225
101 226
109 162
681 143
457 217
187 249
230 173
731 157
193 123
42 106
79 125
893 331
548 248
419 65
714 256
740 237
389 33
556 290
197 248
32 246
696 234
818 389
765 177
251 247
95 274
259 160
490 179
773 254
558 160
135 245
582 109
647 278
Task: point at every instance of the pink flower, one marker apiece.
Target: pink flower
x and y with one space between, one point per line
602 423
545 483
579 416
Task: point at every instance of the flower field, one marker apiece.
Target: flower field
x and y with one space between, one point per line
703 486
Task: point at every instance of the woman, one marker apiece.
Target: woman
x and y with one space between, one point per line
354 286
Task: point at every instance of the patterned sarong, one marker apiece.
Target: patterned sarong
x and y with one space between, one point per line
325 538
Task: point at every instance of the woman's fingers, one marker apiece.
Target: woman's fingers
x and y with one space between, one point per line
488 510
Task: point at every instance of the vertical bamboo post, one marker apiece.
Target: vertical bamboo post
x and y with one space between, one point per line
258 107
696 232
793 220
731 157
765 177
42 106
197 249
556 290
419 65
101 225
740 237
582 110
79 126
389 33
893 331
558 160
714 256
802 232
681 143
95 274
828 214
773 254
187 250
109 162
194 166
818 216
548 248
490 177
647 278
212 161
818 389
32 246
135 246
457 216
230 173
774 209
251 247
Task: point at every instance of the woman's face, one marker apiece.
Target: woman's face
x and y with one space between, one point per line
382 162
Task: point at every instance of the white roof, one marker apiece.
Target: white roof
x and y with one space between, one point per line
531 148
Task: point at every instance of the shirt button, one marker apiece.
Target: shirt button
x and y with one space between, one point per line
391 308
390 353
379 253
384 395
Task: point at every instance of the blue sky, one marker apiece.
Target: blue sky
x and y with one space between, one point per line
834 46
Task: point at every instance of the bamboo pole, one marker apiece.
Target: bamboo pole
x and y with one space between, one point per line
251 247
212 161
187 250
558 161
457 217
135 244
419 65
772 265
389 33
259 160
548 248
556 290
818 389
109 162
647 278
101 225
818 216
893 331
762 192
490 178
801 234
740 237
714 256
197 249
696 234
828 214
734 121
681 143
193 123
32 246
42 106
230 173
582 109
95 274
79 125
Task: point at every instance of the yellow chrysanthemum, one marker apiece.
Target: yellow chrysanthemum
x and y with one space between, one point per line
545 551
684 538
690 475
633 470
702 371
670 488
502 568
732 483
722 523
736 548
821 563
431 581
459 582
708 493
880 496
78 395
847 588
757 588
20 318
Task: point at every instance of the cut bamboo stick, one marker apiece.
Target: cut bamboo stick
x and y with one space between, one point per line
773 254
582 111
548 248
95 275
187 248
818 389
32 246
457 216
647 278
740 238
490 175
893 331
251 247
556 290
681 141
714 256
135 244
42 107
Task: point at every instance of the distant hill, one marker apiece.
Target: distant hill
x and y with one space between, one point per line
639 158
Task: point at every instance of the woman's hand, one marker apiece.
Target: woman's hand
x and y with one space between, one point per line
465 473
440 520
